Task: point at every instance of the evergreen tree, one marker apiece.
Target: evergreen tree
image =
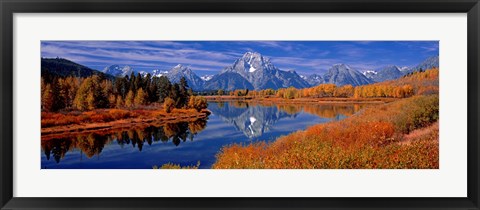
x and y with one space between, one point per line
152 90
119 84
147 85
175 95
138 82
132 85
164 88
58 100
183 96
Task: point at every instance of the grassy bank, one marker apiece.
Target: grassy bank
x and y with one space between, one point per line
401 134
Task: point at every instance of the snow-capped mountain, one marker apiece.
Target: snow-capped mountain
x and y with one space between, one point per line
259 72
254 71
206 77
386 73
117 71
179 71
342 74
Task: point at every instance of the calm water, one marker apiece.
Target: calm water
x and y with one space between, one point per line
189 142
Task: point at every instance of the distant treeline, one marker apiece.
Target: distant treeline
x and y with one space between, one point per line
75 93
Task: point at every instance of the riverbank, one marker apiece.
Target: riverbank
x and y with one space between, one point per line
327 100
75 123
401 134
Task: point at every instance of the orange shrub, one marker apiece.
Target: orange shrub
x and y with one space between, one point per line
371 139
118 114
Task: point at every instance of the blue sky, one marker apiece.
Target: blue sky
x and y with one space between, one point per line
209 57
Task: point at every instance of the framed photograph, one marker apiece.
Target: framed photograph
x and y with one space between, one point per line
239 105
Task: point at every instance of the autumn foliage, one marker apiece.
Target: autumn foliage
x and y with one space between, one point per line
51 119
197 102
372 139
97 92
416 83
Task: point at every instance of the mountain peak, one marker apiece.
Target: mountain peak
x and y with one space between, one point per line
343 74
181 68
179 71
253 61
117 71
251 54
257 71
341 66
389 72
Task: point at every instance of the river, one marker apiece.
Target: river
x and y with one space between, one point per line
187 143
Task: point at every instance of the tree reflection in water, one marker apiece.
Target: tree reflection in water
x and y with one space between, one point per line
92 144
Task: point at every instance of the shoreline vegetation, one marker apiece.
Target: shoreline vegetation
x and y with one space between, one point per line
76 105
400 132
327 100
74 123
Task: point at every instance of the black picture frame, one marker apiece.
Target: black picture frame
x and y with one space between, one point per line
10 7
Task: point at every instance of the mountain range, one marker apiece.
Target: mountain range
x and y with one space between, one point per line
428 63
342 74
179 71
392 72
251 71
254 71
117 71
385 73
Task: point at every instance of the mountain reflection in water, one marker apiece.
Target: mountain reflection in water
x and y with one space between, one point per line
253 119
186 143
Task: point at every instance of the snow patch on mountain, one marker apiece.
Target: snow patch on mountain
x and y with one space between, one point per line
206 77
118 71
404 68
369 72
159 73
